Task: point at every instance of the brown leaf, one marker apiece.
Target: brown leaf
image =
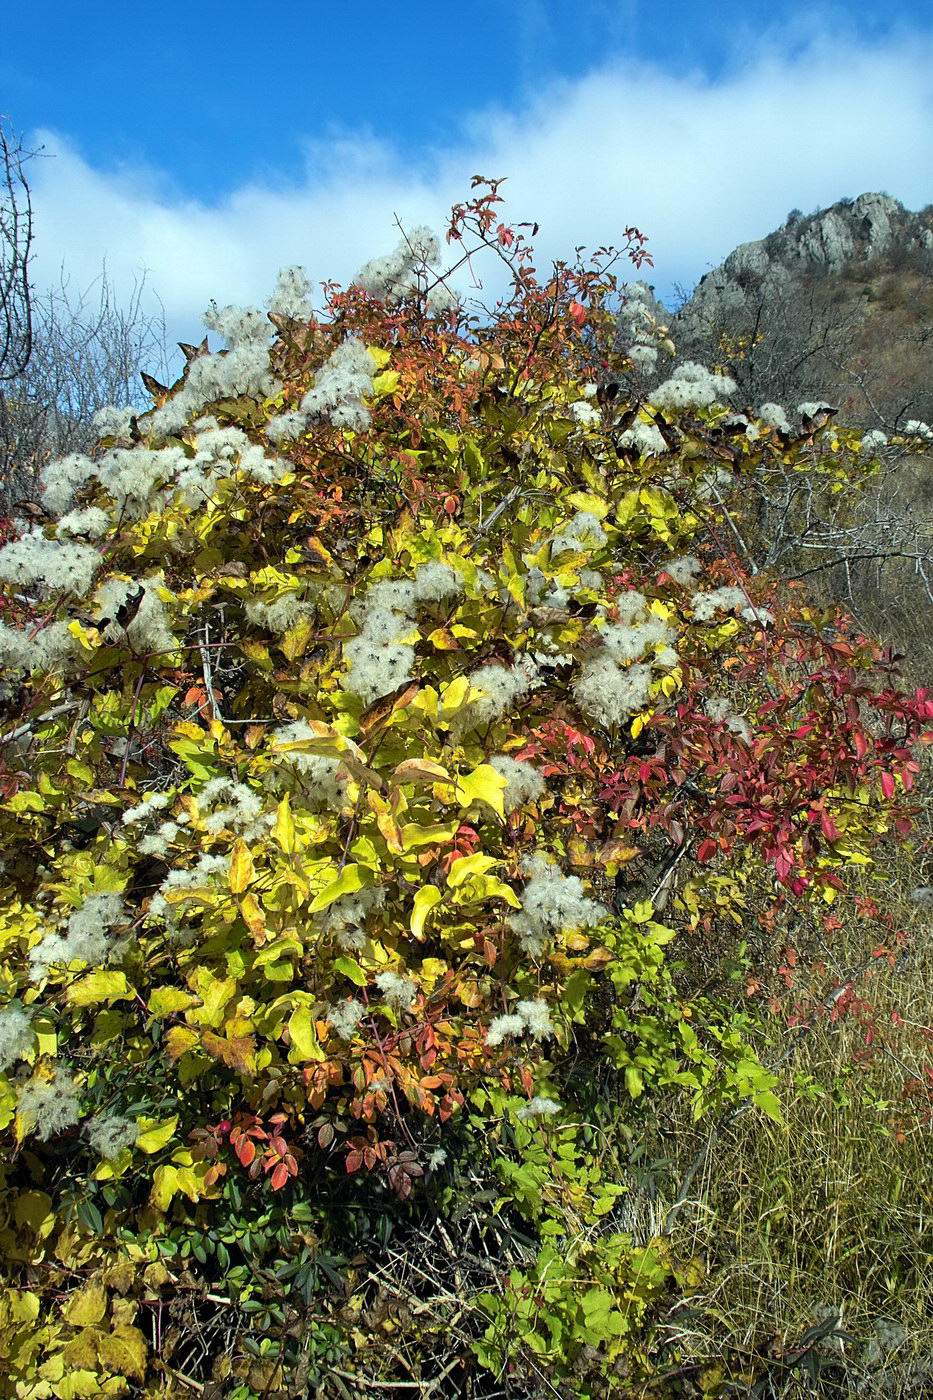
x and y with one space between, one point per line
239 1051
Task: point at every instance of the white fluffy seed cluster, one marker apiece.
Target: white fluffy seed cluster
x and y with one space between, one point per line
52 564
637 324
345 919
90 523
397 991
585 414
872 441
140 480
345 1017
49 1106
292 296
50 648
405 272
206 869
582 534
531 1017
495 689
773 416
113 422
85 938
380 658
615 679
692 386
645 438
813 408
707 604
323 779
148 629
539 1107
523 782
341 385
719 708
552 903
225 805
16 1037
109 1134
242 368
158 842
280 615
915 427
684 570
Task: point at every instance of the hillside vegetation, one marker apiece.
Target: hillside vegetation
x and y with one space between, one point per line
448 936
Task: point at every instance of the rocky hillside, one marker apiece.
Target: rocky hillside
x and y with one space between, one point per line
837 304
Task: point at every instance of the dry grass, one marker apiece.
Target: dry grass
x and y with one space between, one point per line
829 1216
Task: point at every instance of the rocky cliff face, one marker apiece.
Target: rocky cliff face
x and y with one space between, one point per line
833 241
837 304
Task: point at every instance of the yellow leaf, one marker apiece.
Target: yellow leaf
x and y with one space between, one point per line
154 1135
165 1001
123 1350
442 640
34 1208
87 1306
164 1186
585 500
437 834
425 900
241 867
253 915
179 1040
284 831
467 866
97 987
484 784
386 383
305 1045
420 770
454 695
488 887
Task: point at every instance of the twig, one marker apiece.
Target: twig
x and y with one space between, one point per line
208 674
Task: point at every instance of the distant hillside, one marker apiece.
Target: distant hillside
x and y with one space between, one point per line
837 304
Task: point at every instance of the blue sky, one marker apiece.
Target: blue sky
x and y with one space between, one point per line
212 142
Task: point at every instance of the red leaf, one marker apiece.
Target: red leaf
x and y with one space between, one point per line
354 1161
246 1151
577 313
279 1176
887 785
706 851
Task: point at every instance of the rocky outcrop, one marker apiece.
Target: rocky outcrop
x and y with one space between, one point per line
863 230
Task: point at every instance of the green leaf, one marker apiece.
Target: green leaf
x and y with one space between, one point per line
350 879
349 967
633 1081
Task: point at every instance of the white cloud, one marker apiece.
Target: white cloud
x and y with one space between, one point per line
698 165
